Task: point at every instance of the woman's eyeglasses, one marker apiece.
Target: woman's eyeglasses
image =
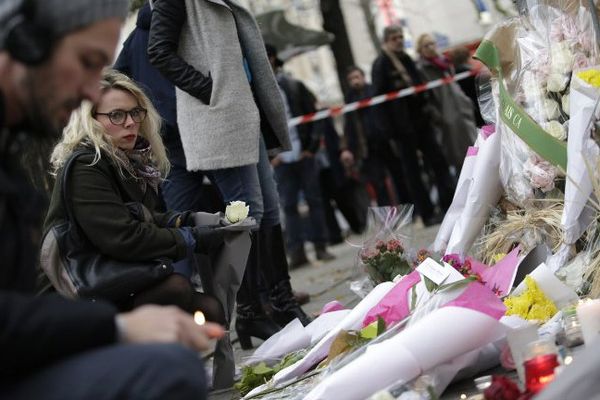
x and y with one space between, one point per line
118 117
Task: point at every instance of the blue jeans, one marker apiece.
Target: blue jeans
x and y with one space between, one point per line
253 184
183 190
151 371
293 178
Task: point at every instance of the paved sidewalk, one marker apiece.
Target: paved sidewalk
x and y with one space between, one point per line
326 282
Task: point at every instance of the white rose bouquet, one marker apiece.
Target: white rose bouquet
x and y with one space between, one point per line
533 58
538 53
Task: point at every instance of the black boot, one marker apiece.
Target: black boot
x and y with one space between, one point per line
251 319
275 268
285 306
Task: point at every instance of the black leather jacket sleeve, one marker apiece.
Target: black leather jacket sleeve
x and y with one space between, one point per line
168 17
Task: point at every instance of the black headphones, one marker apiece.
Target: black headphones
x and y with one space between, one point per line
26 41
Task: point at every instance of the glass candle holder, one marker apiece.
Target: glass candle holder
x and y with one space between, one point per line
539 365
588 313
572 328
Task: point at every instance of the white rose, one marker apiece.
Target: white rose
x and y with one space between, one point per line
561 58
236 211
551 109
556 129
532 87
557 82
566 102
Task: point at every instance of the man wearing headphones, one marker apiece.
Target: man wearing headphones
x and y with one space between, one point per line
52 53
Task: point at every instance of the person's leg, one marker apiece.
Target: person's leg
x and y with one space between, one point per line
240 184
289 181
182 190
434 156
251 318
416 187
273 258
243 184
312 193
327 184
174 290
210 306
392 160
374 173
135 372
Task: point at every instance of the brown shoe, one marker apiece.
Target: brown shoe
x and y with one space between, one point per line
301 297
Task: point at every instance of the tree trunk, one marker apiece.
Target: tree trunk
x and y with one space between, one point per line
333 21
370 19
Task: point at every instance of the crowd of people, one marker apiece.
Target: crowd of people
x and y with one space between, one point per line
123 153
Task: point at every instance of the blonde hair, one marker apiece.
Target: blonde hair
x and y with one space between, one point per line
421 40
84 129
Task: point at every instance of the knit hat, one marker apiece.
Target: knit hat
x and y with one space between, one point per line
63 16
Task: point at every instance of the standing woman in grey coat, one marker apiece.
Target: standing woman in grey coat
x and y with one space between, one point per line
231 117
456 113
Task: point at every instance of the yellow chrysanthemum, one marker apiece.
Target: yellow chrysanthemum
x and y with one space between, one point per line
591 76
532 304
497 257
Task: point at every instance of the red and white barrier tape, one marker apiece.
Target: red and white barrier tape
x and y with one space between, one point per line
373 101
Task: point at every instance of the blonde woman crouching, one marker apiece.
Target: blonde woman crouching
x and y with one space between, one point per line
124 163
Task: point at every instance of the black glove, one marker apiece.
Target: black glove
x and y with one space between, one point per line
208 240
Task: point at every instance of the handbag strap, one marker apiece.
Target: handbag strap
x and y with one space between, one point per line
64 186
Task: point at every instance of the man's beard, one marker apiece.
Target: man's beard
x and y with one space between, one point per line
39 124
42 133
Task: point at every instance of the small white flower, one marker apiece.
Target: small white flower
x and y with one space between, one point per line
556 129
236 211
561 58
566 102
551 109
532 87
382 395
557 82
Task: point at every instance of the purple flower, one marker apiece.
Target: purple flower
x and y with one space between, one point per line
452 259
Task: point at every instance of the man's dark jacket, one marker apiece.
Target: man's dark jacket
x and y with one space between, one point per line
396 118
35 331
362 122
301 102
133 61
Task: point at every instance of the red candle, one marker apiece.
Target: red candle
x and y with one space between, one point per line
539 371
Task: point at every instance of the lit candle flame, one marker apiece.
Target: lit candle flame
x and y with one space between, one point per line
199 318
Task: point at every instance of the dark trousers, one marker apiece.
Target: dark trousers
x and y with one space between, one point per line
147 372
390 155
292 179
373 172
436 161
349 197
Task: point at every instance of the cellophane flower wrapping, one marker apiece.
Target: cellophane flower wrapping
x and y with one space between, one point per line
555 38
385 253
538 53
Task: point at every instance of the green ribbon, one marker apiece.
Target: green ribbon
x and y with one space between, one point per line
540 141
